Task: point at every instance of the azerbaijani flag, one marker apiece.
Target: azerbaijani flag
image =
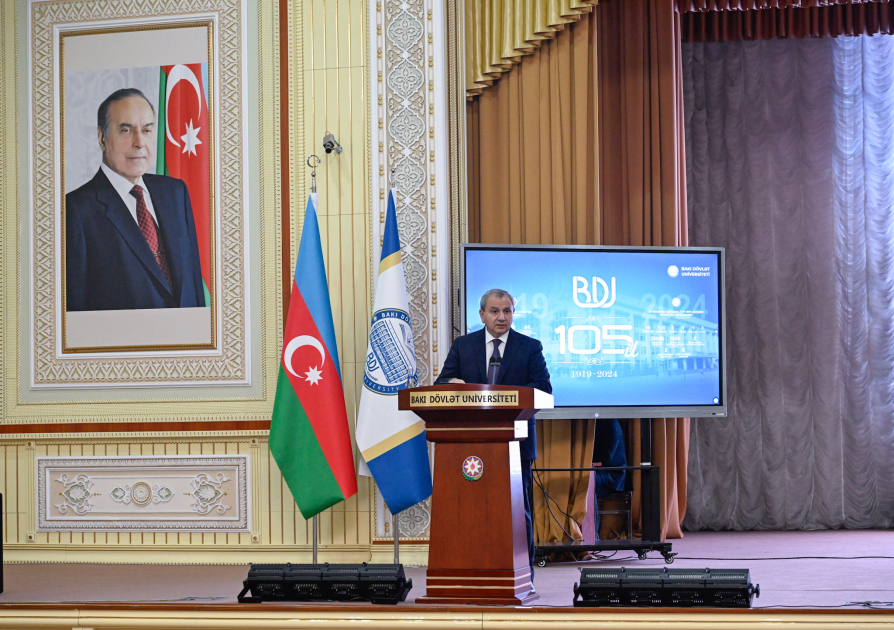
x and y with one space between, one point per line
183 148
392 442
309 435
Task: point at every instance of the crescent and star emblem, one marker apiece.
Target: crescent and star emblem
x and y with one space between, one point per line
191 137
314 375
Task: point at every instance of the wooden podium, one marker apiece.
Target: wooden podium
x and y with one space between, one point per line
478 549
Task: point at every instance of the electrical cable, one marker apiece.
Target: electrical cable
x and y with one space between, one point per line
550 510
603 558
564 513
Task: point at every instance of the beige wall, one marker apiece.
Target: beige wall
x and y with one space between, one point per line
329 92
277 526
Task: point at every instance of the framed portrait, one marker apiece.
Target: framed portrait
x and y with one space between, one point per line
138 205
139 175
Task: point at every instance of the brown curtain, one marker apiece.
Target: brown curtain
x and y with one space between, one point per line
500 32
582 143
868 18
533 148
642 186
533 179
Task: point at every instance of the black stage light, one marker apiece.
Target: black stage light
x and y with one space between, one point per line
377 583
713 588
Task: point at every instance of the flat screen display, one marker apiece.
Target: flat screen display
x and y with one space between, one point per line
626 332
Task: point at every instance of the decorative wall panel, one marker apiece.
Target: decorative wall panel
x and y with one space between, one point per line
409 123
406 158
143 493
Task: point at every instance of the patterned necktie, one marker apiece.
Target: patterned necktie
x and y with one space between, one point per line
147 227
493 368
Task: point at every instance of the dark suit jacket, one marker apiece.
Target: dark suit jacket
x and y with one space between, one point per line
108 263
522 364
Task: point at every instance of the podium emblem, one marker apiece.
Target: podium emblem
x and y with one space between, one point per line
473 468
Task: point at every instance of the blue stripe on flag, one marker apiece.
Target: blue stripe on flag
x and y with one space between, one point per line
403 474
312 281
390 240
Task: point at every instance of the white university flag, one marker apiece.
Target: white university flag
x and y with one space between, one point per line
391 442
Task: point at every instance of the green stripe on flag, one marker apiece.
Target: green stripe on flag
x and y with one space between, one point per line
298 454
161 168
207 294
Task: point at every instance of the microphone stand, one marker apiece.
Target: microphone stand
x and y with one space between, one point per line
494 361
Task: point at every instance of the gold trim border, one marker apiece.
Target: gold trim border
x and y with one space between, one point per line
456 132
127 617
233 364
144 404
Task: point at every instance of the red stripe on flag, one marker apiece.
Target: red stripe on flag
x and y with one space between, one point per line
323 401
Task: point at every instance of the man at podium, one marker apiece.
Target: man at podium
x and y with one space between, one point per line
497 355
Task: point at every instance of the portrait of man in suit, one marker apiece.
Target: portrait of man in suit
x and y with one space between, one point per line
498 355
130 236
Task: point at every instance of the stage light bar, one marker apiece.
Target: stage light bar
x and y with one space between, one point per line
712 588
377 583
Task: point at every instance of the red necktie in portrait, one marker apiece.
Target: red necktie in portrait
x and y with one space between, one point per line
147 227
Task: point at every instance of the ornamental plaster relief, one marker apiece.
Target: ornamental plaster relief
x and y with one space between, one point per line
404 122
143 493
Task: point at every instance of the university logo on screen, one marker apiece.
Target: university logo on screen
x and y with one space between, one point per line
586 295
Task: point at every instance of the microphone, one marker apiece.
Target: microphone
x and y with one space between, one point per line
493 370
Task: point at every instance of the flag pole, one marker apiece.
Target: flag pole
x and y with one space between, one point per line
316 535
313 172
394 524
396 527
313 189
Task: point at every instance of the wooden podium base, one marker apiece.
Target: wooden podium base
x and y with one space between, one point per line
503 587
496 601
478 551
478 544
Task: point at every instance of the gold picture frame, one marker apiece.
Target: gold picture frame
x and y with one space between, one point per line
96 69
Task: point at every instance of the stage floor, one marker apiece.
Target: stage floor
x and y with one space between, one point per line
816 570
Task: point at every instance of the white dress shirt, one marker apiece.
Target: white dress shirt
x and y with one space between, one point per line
123 186
489 346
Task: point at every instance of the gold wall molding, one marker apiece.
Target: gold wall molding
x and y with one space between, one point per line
216 616
456 141
9 195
